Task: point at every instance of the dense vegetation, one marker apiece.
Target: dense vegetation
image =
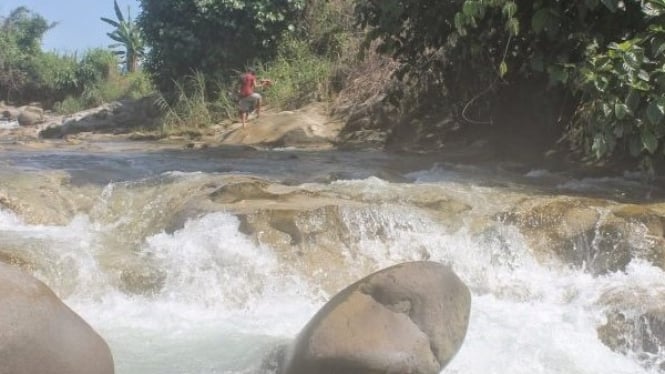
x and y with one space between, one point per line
198 50
213 37
66 82
593 70
604 59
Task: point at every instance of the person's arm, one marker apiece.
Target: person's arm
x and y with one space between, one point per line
266 82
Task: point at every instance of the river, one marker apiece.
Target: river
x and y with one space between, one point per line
181 273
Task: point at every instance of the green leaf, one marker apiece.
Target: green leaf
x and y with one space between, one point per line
118 13
612 5
632 59
470 8
459 22
635 146
649 141
621 110
110 22
513 26
607 110
503 69
643 75
558 73
633 100
655 112
540 19
509 9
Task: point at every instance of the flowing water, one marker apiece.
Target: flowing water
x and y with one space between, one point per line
132 242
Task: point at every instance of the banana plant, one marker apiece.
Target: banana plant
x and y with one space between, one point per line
128 37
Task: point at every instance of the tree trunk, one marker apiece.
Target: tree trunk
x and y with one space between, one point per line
132 62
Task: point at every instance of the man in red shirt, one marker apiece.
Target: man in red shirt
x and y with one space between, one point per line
250 100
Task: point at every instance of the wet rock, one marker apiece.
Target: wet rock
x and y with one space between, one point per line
409 318
30 118
116 117
40 334
10 114
589 233
141 278
642 334
250 190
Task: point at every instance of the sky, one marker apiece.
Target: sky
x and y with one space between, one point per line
79 27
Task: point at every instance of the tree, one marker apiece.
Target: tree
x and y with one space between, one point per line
605 56
214 36
27 28
129 37
21 34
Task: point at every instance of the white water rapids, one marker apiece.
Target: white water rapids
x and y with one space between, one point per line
227 300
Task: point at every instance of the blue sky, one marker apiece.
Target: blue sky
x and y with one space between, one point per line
79 27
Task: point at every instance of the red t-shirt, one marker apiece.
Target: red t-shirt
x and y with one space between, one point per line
248 82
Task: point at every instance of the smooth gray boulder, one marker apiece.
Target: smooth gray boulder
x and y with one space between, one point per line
39 334
30 118
409 318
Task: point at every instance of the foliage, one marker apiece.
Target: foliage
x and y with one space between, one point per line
114 87
189 109
128 36
212 37
300 75
601 53
26 27
20 37
623 92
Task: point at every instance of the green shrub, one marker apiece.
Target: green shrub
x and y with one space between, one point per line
188 109
69 105
300 76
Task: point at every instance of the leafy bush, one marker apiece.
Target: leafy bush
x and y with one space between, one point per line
605 56
212 37
623 93
188 109
299 75
69 105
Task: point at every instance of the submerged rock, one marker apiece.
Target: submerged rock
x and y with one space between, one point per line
40 334
642 334
30 118
591 234
409 318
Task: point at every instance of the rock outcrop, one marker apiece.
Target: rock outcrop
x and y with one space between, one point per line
30 116
116 117
409 318
591 233
40 334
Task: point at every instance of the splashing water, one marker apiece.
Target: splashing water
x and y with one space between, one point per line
208 298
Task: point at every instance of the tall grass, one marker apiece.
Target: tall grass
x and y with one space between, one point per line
189 108
299 76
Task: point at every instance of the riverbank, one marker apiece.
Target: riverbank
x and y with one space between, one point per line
134 125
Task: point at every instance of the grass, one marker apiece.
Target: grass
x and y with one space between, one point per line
299 76
115 87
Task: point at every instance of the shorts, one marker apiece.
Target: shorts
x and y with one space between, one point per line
248 103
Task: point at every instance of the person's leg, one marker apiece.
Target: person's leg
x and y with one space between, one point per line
243 110
257 104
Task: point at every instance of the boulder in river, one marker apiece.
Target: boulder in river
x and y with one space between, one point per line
30 117
409 318
40 334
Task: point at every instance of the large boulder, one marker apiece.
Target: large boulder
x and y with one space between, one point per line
30 117
409 318
39 334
